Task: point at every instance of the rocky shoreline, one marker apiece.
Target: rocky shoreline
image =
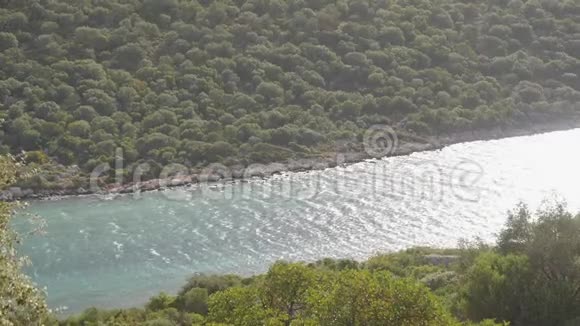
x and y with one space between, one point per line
319 163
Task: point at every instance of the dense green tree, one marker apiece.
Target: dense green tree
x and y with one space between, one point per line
364 298
212 283
195 300
91 37
285 287
7 41
238 306
20 302
495 285
537 280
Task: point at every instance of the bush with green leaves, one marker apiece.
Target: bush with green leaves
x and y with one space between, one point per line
21 303
534 277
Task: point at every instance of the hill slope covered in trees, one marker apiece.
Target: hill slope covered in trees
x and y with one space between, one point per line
236 82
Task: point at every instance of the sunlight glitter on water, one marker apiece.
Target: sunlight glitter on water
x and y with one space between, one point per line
119 252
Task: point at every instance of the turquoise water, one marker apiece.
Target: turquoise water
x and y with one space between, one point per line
118 251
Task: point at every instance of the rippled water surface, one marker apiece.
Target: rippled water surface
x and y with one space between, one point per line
119 251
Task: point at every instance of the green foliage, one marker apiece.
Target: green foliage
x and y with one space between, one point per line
160 302
410 263
300 295
195 300
261 81
494 284
238 306
285 286
535 277
212 283
37 157
365 298
20 302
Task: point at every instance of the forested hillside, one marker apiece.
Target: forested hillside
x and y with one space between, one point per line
235 81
